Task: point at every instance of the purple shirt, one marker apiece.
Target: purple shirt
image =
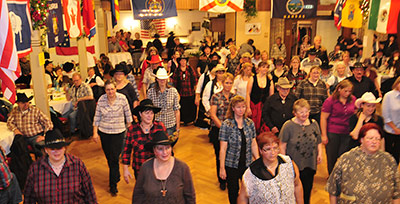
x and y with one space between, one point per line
338 120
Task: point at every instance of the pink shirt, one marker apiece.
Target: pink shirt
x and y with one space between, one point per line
338 120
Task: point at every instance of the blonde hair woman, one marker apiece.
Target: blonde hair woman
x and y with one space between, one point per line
241 80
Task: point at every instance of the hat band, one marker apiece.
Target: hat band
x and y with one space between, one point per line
161 141
55 141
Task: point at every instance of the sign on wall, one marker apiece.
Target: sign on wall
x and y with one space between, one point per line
298 9
252 28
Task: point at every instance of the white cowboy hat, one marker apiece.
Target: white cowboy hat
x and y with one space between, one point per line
162 73
367 97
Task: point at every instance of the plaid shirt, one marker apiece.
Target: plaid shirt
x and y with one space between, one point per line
301 75
315 95
111 118
135 140
73 185
5 173
82 91
30 123
185 88
222 104
229 132
168 101
132 80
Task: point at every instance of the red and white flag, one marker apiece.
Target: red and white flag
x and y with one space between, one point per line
9 66
150 27
221 6
72 15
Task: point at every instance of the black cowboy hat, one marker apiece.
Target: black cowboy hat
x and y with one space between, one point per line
54 139
159 138
68 66
357 65
21 97
121 67
215 54
325 66
183 57
47 62
145 104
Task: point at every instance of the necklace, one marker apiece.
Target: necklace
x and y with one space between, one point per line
146 130
163 187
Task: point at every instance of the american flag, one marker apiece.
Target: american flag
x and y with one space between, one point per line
9 66
150 27
337 16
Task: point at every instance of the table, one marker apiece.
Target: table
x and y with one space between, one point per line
59 104
6 137
116 58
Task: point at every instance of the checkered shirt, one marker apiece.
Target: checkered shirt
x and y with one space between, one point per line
186 88
5 173
222 104
135 140
301 75
168 101
73 185
132 80
229 132
30 123
82 91
111 118
315 95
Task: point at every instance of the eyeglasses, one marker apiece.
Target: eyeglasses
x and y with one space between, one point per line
372 138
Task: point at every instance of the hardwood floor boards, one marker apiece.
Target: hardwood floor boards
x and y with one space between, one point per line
194 149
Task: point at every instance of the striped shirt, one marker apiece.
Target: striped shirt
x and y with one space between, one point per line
73 185
110 118
5 173
132 80
168 101
30 122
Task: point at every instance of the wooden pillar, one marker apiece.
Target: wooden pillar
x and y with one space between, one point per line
38 79
83 62
101 27
367 42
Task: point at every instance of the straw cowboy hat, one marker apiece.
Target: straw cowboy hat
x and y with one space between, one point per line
217 68
367 97
161 73
283 82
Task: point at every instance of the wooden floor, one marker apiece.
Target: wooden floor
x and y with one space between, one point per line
194 149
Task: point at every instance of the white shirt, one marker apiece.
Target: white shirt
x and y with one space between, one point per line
99 82
206 94
240 86
201 81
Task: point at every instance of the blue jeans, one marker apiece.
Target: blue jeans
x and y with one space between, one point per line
12 194
171 130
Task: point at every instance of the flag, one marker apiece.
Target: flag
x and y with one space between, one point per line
383 15
351 14
88 18
154 9
9 66
55 26
21 25
337 16
72 14
294 9
114 12
65 48
221 6
149 27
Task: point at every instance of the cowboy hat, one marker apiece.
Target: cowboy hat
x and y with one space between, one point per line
154 59
283 82
367 97
325 66
54 139
121 67
21 97
184 56
161 73
145 104
357 65
159 138
68 66
217 68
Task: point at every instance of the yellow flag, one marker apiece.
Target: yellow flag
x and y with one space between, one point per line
351 14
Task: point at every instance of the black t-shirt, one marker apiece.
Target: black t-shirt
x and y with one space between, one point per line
353 50
138 45
353 122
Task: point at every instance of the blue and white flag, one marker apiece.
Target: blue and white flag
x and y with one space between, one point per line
154 9
55 26
21 25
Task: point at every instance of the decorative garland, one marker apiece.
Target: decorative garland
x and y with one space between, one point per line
250 9
39 10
